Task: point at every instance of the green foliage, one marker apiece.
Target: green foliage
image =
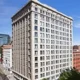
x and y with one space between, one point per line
72 74
0 50
44 79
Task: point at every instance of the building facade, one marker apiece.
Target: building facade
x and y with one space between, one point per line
7 57
76 57
1 58
4 39
42 42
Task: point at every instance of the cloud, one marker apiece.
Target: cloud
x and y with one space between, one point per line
77 17
76 24
76 21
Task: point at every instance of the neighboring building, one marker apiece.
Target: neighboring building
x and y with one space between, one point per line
4 39
76 57
42 42
7 57
1 57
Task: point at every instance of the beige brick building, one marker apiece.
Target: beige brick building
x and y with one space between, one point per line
42 42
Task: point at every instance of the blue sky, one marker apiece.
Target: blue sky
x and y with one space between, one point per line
68 7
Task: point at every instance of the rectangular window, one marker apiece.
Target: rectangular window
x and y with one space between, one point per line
36 22
36 9
36 64
36 52
36 40
36 76
36 16
36 70
36 46
36 28
36 58
36 34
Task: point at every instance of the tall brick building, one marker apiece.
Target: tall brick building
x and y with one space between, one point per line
76 57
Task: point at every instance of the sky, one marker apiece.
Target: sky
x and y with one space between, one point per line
68 7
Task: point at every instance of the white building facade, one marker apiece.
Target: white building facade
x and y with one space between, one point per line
42 42
7 57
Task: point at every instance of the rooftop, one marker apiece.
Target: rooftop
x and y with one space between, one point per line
76 48
7 46
44 5
4 34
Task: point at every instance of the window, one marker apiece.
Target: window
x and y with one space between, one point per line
36 40
47 52
52 72
36 9
47 74
48 63
47 57
36 64
52 42
40 11
42 46
52 46
47 19
36 16
47 30
52 26
36 46
47 35
36 76
42 52
41 23
52 31
47 41
53 62
36 58
36 52
41 69
52 20
36 34
42 63
40 28
52 51
47 25
43 74
42 35
36 70
42 58
42 17
47 46
42 41
36 28
36 22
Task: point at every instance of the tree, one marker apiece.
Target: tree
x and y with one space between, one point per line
44 79
70 74
0 49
